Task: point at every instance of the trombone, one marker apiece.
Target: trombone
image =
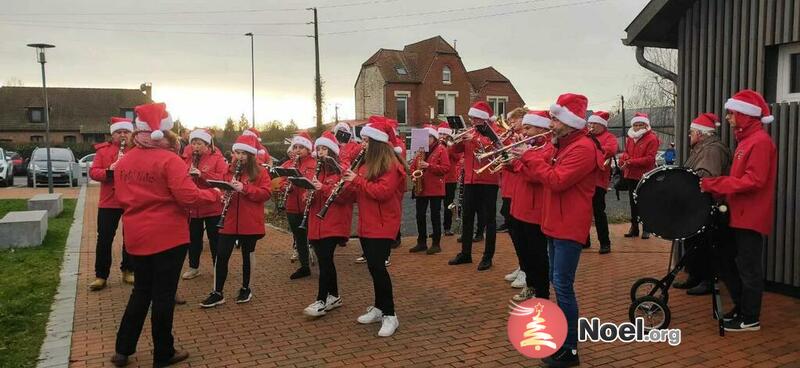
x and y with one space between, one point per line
505 157
512 145
456 139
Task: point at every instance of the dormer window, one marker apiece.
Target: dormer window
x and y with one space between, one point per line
401 70
447 75
35 114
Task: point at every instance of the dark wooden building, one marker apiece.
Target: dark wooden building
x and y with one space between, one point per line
725 46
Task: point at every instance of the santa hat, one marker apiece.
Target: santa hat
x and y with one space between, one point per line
570 109
444 128
252 132
599 117
398 145
750 103
153 118
376 119
342 126
201 134
481 110
432 130
247 143
120 123
394 124
327 140
641 117
304 140
705 122
380 131
537 118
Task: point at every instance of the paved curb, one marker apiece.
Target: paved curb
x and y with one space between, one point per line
55 350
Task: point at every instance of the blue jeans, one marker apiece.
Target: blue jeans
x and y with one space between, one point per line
564 257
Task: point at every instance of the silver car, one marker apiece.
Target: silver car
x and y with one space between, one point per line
62 161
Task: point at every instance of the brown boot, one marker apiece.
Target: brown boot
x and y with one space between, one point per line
179 356
97 284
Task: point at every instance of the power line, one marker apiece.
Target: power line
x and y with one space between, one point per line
445 11
39 25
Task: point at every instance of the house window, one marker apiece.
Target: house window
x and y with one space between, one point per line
126 112
498 104
401 70
788 73
401 106
37 139
447 75
36 114
445 104
70 139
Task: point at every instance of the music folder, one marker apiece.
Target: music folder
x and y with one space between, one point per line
282 171
221 184
455 122
301 182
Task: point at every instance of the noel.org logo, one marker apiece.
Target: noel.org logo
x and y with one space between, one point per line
536 327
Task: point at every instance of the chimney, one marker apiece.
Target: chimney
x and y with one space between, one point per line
147 89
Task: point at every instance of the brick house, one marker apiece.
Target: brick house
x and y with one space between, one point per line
77 115
427 79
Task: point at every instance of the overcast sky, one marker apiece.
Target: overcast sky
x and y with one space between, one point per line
195 55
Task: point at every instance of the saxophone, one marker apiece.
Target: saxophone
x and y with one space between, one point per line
226 201
416 176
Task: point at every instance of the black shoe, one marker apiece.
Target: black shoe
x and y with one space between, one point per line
477 238
730 316
214 299
244 296
485 264
434 249
688 284
645 235
564 357
420 247
704 288
447 232
179 356
633 232
460 258
119 360
301 272
502 228
605 249
739 324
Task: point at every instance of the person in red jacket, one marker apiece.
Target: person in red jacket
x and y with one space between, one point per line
109 211
349 149
244 220
569 180
325 234
598 129
749 191
377 182
480 190
205 163
434 165
507 178
400 150
639 157
301 148
154 190
451 179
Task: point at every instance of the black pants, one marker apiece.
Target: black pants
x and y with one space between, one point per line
600 218
300 237
632 183
226 243
744 278
376 251
449 195
480 199
156 280
505 211
531 245
107 222
327 269
196 227
436 218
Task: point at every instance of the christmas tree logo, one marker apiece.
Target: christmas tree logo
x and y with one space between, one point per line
536 327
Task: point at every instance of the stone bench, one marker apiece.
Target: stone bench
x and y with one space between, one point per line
19 229
52 203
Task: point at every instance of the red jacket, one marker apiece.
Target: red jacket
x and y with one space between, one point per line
609 144
154 190
294 202
187 151
348 151
379 202
246 209
640 155
212 166
339 217
471 163
528 192
105 155
455 166
750 187
568 181
433 175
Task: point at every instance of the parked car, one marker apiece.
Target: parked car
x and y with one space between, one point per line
86 163
19 163
6 169
63 166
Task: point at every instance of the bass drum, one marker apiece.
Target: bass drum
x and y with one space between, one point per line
671 204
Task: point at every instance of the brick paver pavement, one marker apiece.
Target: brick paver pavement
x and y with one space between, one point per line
449 316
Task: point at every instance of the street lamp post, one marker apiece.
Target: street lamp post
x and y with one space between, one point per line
40 47
252 77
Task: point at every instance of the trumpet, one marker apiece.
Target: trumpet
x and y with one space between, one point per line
458 138
508 147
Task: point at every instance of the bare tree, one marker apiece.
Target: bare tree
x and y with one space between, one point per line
655 94
13 82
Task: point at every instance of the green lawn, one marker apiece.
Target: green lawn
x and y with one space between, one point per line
28 282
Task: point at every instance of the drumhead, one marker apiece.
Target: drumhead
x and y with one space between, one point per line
671 204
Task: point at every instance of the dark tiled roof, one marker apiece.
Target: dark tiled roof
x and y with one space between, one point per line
83 109
415 58
479 78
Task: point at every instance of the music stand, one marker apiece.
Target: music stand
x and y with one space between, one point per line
221 184
291 171
455 122
301 182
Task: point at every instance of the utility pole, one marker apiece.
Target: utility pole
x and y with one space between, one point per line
337 113
252 78
622 111
317 79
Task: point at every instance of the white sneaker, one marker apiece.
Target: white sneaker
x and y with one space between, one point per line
316 309
333 302
389 325
373 315
191 273
519 282
361 260
513 275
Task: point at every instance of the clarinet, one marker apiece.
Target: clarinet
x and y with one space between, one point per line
226 201
195 161
282 200
109 172
340 184
310 196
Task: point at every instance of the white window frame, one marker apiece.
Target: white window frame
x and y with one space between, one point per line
446 71
446 94
782 94
406 95
493 100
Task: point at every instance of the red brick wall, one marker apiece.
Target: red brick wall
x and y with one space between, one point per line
502 89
